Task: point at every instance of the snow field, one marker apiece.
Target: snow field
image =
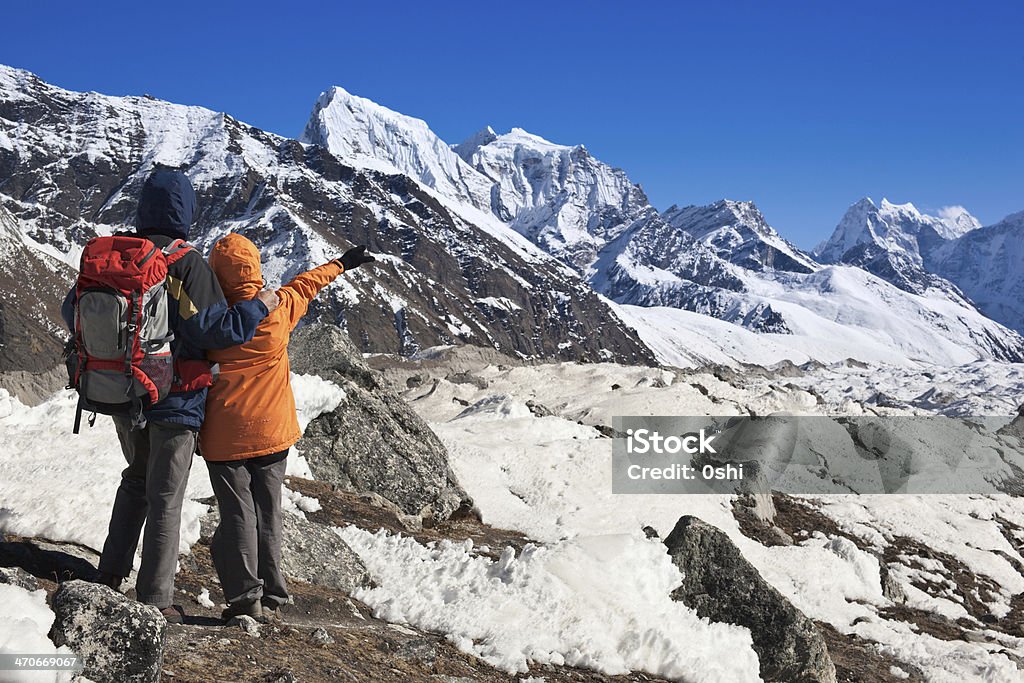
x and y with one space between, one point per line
550 478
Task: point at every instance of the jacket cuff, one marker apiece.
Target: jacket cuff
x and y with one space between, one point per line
254 308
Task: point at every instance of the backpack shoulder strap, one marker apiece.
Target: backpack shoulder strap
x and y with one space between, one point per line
176 250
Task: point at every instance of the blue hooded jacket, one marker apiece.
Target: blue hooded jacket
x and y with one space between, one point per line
199 315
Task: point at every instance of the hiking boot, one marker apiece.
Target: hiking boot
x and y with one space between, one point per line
173 614
242 609
271 613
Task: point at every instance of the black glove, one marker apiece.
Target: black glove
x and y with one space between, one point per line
354 257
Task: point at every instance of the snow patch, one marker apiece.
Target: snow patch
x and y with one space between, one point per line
598 602
25 621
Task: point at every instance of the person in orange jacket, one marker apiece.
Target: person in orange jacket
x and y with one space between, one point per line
250 425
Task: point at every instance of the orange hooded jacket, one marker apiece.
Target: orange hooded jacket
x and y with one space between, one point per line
250 410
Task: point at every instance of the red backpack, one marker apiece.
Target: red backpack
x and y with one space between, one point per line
119 358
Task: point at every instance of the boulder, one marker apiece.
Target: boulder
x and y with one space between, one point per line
315 554
721 585
16 576
373 442
119 640
310 552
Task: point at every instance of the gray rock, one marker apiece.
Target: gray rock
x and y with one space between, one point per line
16 576
315 554
373 442
423 650
467 378
247 624
721 585
309 552
119 640
280 676
539 409
892 589
320 636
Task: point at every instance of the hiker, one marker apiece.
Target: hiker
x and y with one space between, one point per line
250 425
159 441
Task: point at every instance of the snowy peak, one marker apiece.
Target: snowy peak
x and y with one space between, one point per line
890 241
898 228
857 226
722 212
958 221
558 196
369 135
739 233
467 147
949 223
517 137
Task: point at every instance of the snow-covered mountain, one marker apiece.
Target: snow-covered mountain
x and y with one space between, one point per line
957 221
988 265
503 240
739 233
722 260
72 164
888 240
368 135
949 253
558 196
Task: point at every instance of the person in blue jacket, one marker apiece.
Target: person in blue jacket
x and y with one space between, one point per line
159 455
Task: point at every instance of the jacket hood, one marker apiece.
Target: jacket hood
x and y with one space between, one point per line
236 263
167 204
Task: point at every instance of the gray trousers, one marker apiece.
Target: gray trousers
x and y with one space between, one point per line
246 546
151 492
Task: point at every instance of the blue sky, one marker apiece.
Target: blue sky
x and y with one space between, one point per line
802 107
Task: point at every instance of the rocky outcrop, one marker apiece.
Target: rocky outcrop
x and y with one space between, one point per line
118 639
373 442
32 388
315 554
721 585
16 576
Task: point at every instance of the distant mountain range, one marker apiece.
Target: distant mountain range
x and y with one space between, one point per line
506 240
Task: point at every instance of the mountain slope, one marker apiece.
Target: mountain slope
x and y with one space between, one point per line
72 165
988 265
560 197
451 269
739 233
32 287
369 135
